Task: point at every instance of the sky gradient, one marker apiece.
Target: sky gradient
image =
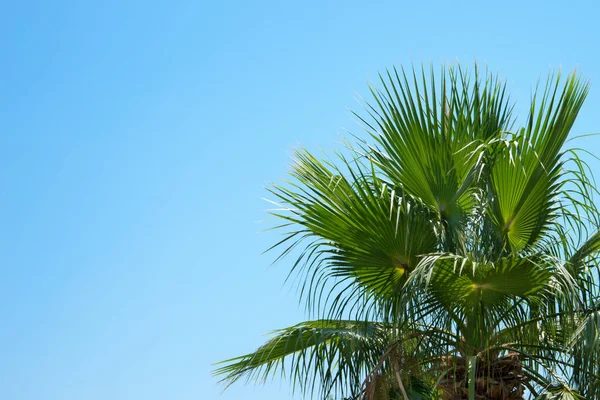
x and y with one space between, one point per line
137 139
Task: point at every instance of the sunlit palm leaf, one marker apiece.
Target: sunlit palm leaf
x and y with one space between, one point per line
369 232
429 138
336 355
525 177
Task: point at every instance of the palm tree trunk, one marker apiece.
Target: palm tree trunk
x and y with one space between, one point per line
497 379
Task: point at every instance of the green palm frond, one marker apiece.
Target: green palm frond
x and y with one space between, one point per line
585 350
526 175
590 248
429 139
336 357
334 354
367 232
560 392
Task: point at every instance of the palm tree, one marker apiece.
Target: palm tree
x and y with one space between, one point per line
451 255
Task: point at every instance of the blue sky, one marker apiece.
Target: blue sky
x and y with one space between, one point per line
136 142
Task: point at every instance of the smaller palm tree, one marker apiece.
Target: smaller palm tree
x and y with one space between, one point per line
452 256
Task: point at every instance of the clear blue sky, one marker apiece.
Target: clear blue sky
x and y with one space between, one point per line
136 139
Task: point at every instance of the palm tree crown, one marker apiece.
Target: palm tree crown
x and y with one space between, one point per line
451 255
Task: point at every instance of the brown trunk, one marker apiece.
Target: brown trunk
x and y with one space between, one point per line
496 379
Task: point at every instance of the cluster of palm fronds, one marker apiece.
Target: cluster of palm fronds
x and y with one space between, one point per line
449 256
